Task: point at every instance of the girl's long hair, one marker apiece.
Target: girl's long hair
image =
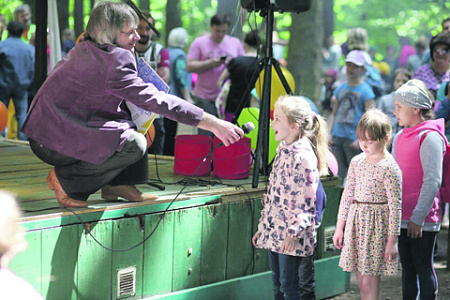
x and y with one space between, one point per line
311 125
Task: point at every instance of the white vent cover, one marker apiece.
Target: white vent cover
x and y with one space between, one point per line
126 282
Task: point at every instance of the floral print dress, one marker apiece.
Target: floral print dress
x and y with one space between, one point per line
290 204
371 207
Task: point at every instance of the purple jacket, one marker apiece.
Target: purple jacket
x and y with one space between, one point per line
80 111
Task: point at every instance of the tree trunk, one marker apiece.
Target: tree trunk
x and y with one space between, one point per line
173 17
328 20
230 7
78 17
63 14
305 51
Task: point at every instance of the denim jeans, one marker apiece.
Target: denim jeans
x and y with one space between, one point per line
416 257
292 277
80 179
343 153
20 100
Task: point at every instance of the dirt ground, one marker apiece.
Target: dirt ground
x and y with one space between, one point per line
391 286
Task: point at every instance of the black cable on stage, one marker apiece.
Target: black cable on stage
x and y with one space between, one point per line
186 183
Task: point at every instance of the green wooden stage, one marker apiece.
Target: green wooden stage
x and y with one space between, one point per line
199 245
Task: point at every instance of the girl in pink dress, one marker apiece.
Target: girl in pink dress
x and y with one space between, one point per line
287 226
368 222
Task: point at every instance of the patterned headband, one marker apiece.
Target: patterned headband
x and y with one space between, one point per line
413 95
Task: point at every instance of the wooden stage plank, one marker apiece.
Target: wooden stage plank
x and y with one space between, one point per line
24 175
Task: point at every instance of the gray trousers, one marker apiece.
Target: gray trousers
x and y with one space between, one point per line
207 106
80 179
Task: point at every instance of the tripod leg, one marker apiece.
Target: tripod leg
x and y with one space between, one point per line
262 146
286 86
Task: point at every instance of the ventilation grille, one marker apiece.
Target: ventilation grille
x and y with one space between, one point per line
126 282
328 234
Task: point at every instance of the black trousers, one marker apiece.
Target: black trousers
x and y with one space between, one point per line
80 179
171 131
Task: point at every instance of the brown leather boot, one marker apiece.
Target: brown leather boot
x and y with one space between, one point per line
61 195
128 192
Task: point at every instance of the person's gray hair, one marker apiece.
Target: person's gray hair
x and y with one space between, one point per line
178 38
21 9
106 22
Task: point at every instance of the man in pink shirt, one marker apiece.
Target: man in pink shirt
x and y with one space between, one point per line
207 57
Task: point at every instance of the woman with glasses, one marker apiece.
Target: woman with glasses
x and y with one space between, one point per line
436 73
79 122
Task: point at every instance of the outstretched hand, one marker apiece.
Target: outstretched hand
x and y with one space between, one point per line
228 133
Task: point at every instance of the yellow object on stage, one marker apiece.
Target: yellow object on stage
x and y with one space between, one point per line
12 122
277 88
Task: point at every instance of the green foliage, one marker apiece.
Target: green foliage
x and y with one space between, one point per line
196 16
7 8
387 20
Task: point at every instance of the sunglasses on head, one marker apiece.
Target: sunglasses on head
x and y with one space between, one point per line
442 51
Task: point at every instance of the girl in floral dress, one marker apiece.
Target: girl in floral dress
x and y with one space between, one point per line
287 226
370 208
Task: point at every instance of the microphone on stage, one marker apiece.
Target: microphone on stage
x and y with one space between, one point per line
141 16
247 128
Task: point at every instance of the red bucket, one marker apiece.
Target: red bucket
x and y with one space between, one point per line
190 150
232 162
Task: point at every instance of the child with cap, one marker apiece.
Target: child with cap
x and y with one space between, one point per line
421 162
349 102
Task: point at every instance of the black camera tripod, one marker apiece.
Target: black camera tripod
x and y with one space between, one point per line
265 63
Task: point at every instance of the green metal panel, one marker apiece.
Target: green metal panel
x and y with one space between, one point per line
94 263
101 212
158 254
260 259
127 233
333 200
59 262
330 281
27 264
214 243
240 249
329 219
251 287
187 247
